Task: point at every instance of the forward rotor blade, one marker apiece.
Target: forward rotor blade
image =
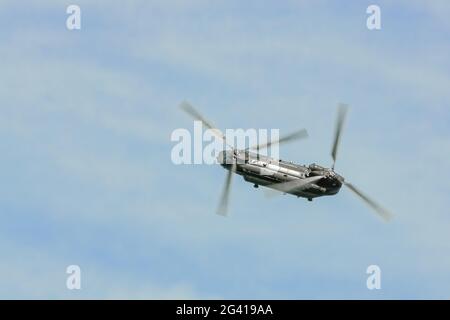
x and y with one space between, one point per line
293 185
223 205
342 112
190 110
386 215
300 134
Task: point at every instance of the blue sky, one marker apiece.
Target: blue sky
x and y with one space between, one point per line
85 169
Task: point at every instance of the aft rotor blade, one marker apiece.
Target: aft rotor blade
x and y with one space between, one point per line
386 215
294 185
223 205
299 134
190 110
342 112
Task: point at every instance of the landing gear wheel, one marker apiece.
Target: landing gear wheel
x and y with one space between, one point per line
255 186
309 199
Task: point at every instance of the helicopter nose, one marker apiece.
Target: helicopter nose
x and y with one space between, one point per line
221 157
225 158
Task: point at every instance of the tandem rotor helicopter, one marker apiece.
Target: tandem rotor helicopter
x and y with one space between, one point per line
302 181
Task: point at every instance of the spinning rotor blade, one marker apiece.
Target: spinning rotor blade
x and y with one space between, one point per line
300 134
294 185
223 205
386 215
342 111
189 109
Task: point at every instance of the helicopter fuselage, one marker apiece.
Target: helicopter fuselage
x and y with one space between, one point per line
309 182
269 172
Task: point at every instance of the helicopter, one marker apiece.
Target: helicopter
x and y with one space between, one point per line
305 181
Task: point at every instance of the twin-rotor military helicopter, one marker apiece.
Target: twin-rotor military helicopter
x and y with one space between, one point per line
302 181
